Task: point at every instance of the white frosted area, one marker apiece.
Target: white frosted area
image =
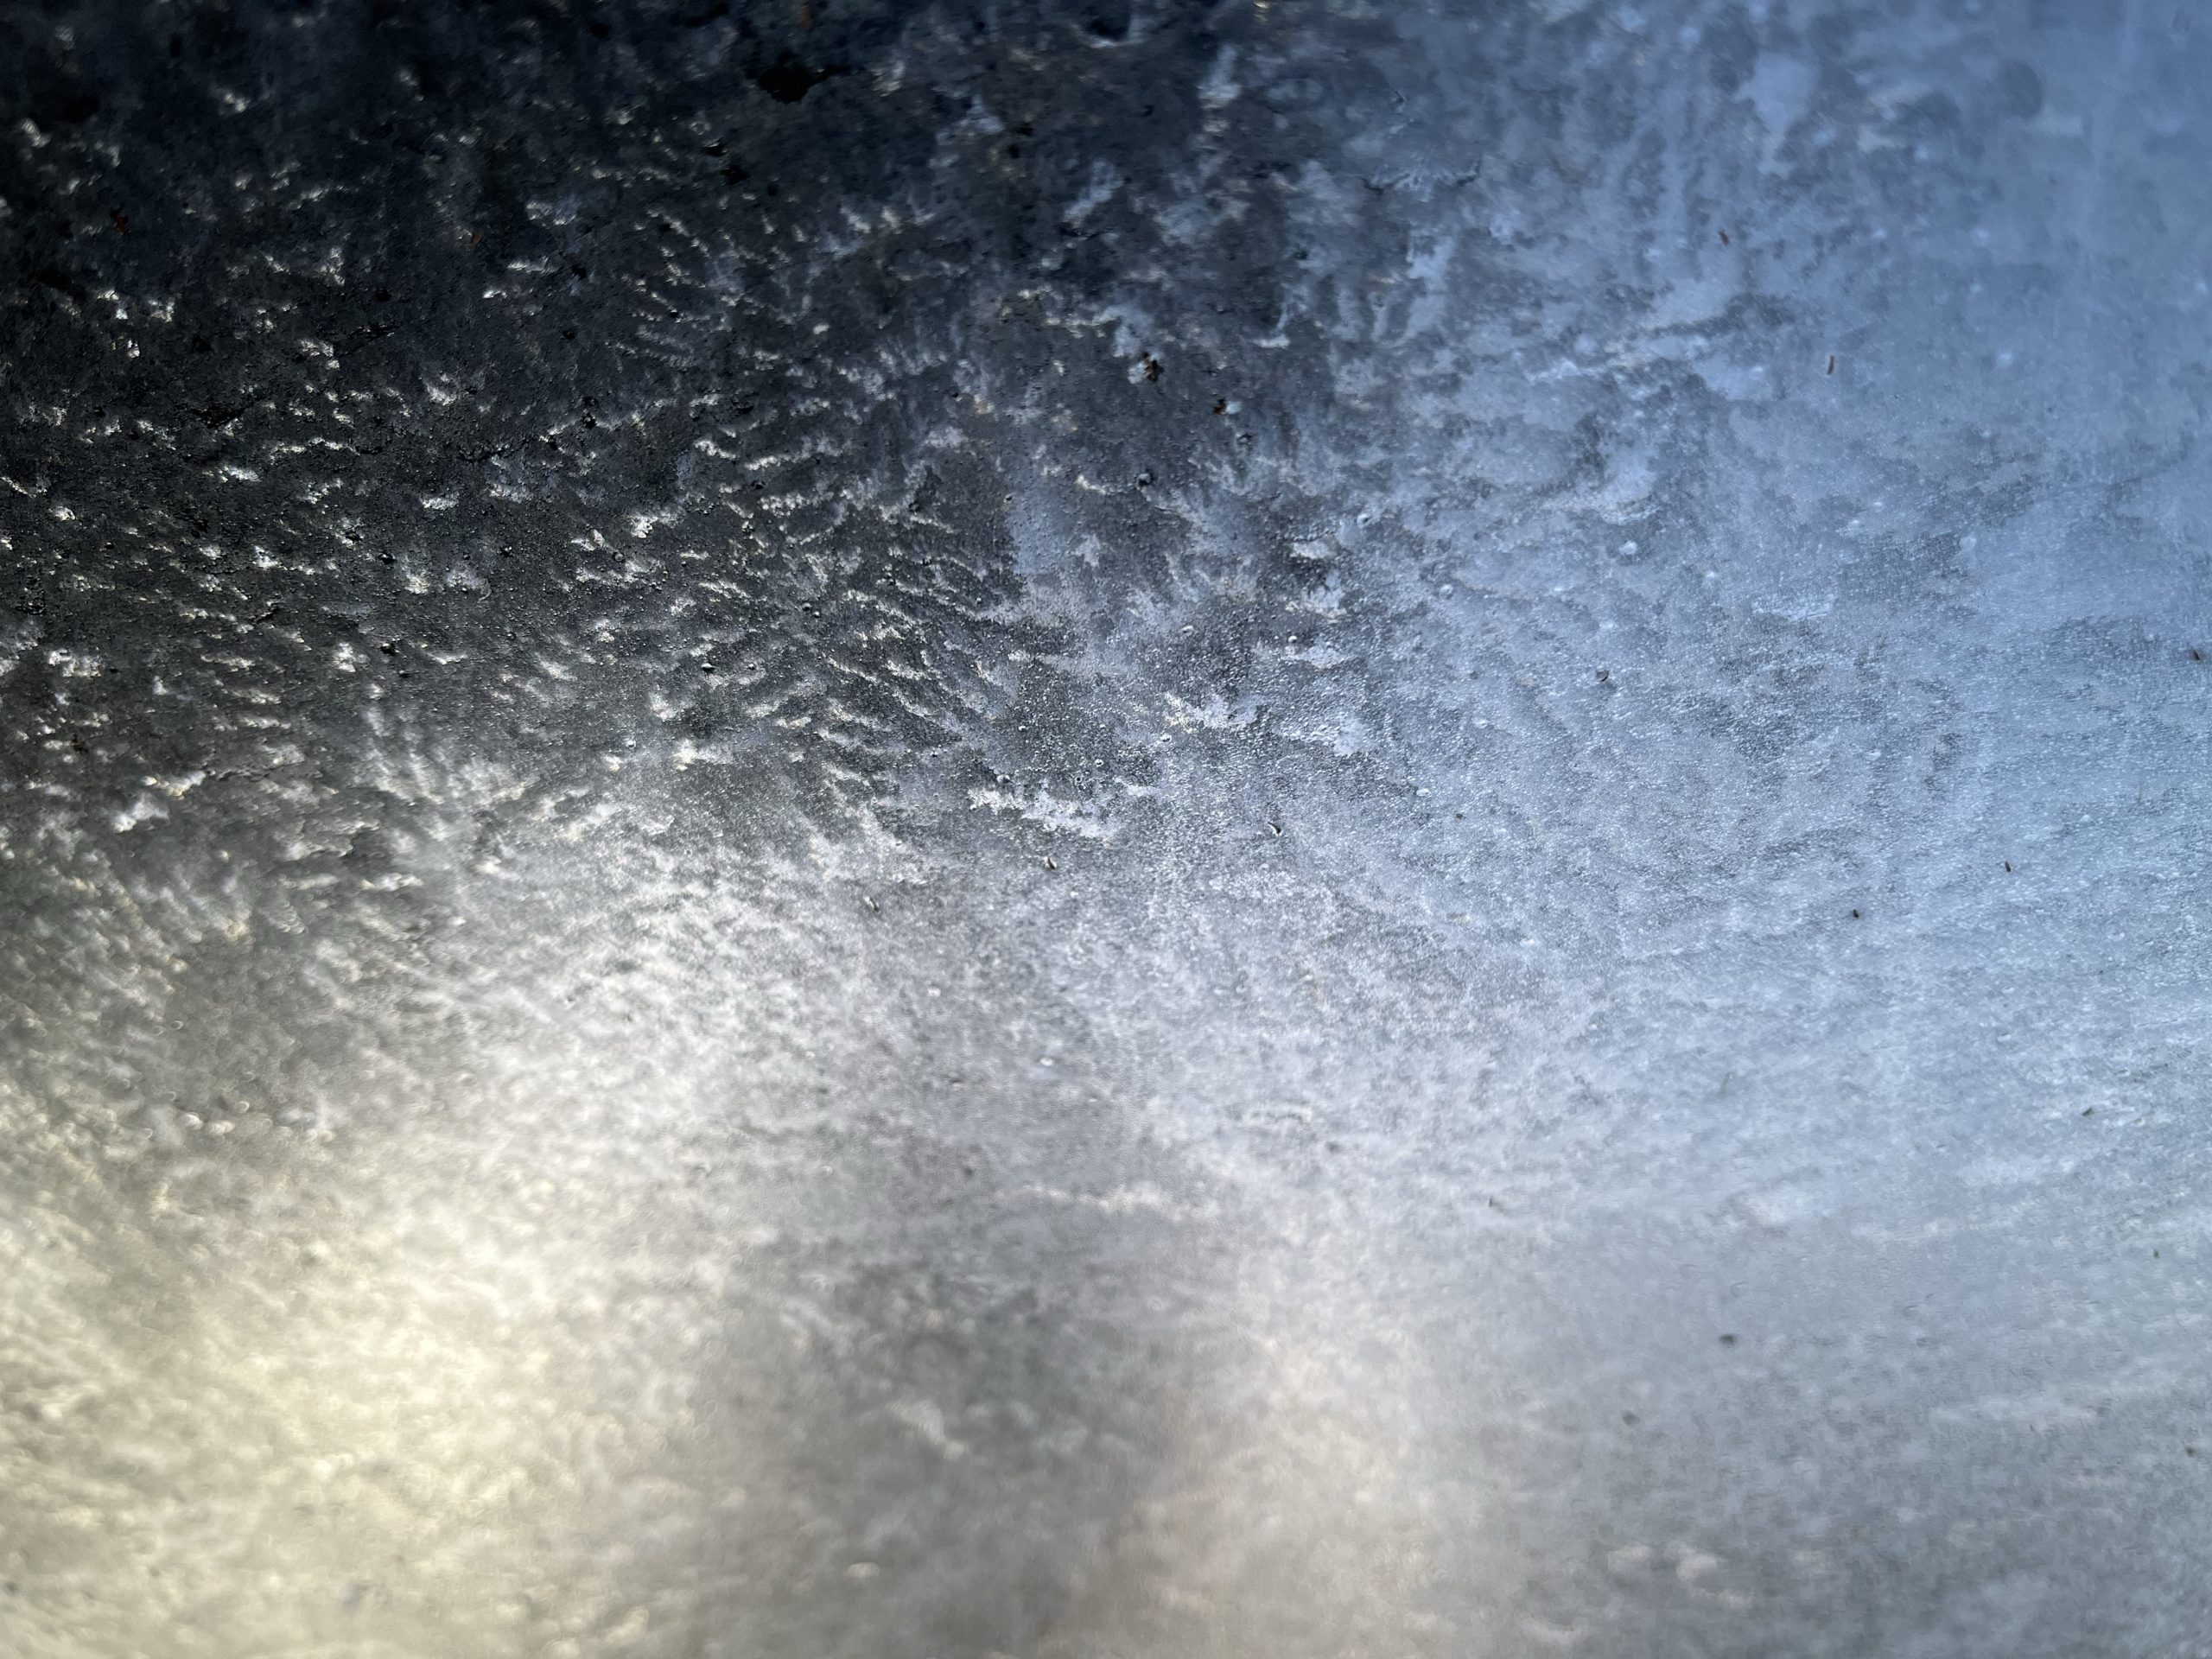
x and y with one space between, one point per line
863 831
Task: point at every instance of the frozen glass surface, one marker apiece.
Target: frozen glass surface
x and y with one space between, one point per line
864 831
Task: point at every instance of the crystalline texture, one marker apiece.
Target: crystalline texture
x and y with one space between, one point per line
1291 829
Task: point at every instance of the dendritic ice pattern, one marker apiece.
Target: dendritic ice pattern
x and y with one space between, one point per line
998 829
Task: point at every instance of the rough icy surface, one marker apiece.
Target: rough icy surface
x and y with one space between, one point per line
845 828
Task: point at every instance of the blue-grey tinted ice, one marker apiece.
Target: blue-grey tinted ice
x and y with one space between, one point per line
1003 830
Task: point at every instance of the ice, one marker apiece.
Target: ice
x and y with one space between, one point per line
1277 828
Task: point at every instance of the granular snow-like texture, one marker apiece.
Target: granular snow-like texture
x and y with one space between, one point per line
863 831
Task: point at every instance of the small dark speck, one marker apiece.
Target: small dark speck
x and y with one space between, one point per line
1151 366
1724 239
200 343
1221 405
1049 864
1014 152
1604 675
598 30
70 105
2088 1111
1854 915
389 648
1630 1418
1727 1338
1275 829
1831 362
2008 867
120 220
788 80
706 668
2190 1449
2195 655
